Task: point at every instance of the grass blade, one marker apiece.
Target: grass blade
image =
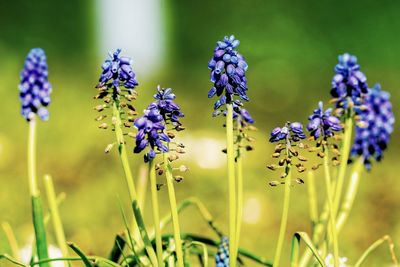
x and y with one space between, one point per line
374 246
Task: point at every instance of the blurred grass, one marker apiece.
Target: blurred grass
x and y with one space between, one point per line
291 48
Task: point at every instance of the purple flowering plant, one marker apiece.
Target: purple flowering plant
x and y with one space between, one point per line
344 137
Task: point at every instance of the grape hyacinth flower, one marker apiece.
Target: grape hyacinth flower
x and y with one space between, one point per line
34 87
228 69
323 123
116 88
117 73
291 131
151 132
373 133
222 255
169 110
349 83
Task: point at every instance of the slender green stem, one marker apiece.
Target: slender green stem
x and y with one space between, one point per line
332 220
174 210
344 157
55 215
156 211
232 186
37 209
284 219
375 245
12 241
239 170
33 185
131 186
205 252
350 195
312 199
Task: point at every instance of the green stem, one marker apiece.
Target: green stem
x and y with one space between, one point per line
156 211
131 186
12 241
174 210
55 215
374 246
350 195
343 213
284 219
344 157
37 209
332 221
205 252
232 186
239 165
312 199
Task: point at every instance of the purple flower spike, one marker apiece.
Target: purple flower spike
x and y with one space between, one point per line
169 110
117 72
349 82
228 69
373 133
323 123
34 88
150 132
222 255
290 132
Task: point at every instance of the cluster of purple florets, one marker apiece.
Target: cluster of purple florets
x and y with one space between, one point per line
151 132
349 83
228 68
34 88
168 108
222 255
323 123
151 126
377 121
117 72
291 132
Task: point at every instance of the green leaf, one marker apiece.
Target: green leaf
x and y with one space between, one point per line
82 255
294 261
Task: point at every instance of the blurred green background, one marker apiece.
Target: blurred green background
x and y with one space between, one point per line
291 48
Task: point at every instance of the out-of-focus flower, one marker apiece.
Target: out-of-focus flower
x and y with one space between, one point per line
34 88
329 261
323 122
222 256
117 72
293 131
349 82
54 252
168 108
151 132
228 69
375 127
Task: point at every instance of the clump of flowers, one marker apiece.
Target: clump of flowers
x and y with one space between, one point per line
288 138
349 84
323 123
222 255
168 108
154 129
116 87
34 88
151 132
228 68
322 126
375 127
